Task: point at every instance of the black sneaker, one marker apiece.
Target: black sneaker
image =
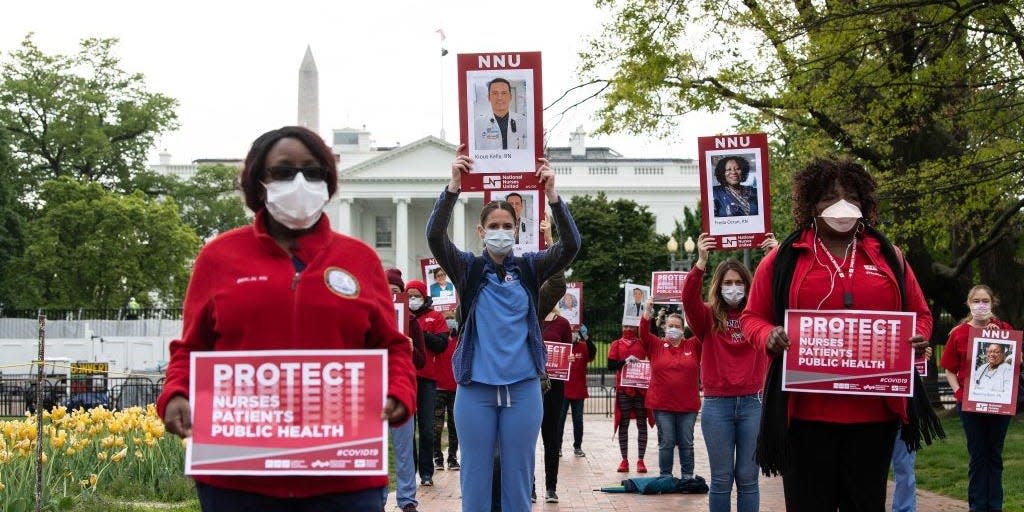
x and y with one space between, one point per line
454 465
438 465
427 482
533 496
579 452
409 507
551 497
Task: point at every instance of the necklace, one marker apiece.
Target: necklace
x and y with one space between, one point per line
844 277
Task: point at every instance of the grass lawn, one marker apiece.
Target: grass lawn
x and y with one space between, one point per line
942 467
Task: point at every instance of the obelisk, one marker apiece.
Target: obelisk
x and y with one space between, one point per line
309 93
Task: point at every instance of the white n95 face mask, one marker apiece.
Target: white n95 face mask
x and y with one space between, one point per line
415 303
297 203
841 216
499 242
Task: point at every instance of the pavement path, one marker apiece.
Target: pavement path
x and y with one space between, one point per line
579 476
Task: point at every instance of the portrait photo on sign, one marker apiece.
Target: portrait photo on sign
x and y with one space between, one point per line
529 211
994 375
736 196
500 106
439 287
569 306
635 299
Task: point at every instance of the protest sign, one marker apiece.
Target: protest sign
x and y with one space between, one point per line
558 365
734 190
667 287
634 300
441 290
992 386
636 374
571 304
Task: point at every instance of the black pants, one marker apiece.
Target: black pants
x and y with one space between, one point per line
216 499
424 451
551 432
838 466
985 435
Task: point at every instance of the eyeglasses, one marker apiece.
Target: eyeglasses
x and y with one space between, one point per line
286 173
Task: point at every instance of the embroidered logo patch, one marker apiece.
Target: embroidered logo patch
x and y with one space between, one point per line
341 282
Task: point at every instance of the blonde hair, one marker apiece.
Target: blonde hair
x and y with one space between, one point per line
970 294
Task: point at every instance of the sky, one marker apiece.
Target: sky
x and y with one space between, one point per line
233 66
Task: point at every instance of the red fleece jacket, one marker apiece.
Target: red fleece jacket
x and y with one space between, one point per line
432 322
244 294
730 364
576 387
874 288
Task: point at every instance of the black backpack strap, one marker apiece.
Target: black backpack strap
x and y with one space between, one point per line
782 275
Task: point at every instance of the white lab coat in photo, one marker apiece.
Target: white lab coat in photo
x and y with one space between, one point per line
487 134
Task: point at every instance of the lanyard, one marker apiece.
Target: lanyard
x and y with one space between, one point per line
847 283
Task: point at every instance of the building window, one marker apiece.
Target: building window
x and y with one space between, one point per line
562 170
383 231
650 171
603 170
346 138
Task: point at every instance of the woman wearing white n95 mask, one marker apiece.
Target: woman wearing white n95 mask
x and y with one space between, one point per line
732 373
501 355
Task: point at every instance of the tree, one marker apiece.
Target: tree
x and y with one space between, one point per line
929 95
12 213
91 247
619 245
79 115
211 201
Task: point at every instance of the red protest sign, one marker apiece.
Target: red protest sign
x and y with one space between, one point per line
734 190
500 119
849 352
992 385
667 287
558 365
288 412
636 375
571 304
401 302
441 289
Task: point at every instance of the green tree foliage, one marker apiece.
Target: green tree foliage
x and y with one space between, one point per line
79 115
928 95
12 217
211 201
619 245
91 247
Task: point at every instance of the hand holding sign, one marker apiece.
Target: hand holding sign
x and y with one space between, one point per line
462 164
705 243
546 177
778 340
394 411
178 417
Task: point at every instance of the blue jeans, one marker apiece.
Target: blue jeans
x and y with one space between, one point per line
577 421
675 429
730 424
985 436
904 479
405 466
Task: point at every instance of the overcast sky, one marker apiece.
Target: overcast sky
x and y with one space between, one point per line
233 66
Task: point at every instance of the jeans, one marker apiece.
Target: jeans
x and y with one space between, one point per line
904 497
577 421
405 465
730 424
985 436
216 499
425 391
675 429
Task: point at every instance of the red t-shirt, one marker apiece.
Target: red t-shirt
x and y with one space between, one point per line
675 372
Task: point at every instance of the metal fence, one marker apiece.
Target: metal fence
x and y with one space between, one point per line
92 313
18 392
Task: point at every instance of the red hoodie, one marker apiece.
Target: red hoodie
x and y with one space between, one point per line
244 294
675 372
443 365
433 322
874 288
730 364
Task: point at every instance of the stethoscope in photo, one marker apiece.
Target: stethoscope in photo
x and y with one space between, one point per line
511 124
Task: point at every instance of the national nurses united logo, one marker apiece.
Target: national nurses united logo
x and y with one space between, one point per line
341 282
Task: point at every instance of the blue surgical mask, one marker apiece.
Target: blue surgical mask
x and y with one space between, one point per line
499 242
673 333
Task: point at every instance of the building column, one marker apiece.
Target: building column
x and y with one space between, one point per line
459 224
401 240
345 216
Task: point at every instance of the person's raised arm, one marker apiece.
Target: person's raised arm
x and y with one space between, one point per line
646 338
698 314
560 254
448 256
